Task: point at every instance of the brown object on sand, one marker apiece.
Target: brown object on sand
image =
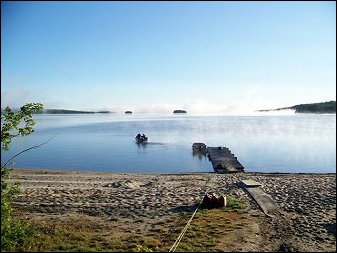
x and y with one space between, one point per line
214 201
222 201
206 201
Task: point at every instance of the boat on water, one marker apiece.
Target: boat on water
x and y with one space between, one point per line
199 146
141 139
199 149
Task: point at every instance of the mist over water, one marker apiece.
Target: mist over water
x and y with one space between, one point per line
105 142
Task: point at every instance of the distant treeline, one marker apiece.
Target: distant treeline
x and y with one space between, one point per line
324 107
63 111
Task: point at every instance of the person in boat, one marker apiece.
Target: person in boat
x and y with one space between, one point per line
138 137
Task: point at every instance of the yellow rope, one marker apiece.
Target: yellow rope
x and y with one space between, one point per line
176 243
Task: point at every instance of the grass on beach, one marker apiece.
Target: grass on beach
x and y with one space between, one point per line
210 230
75 211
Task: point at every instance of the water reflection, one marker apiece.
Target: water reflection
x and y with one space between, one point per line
142 145
199 153
199 150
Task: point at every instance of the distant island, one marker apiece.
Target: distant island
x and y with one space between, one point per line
324 107
179 111
128 112
63 111
104 112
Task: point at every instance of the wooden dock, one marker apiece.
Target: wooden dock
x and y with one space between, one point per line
223 160
268 206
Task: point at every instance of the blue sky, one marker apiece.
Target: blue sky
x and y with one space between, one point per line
206 57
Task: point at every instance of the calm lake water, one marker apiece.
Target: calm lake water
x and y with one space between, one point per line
105 142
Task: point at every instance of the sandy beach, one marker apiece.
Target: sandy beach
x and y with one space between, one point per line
128 211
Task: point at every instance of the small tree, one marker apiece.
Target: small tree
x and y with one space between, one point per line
13 124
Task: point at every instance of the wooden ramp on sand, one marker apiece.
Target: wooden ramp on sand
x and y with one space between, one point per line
265 202
223 160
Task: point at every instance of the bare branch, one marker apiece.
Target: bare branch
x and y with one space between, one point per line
37 146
